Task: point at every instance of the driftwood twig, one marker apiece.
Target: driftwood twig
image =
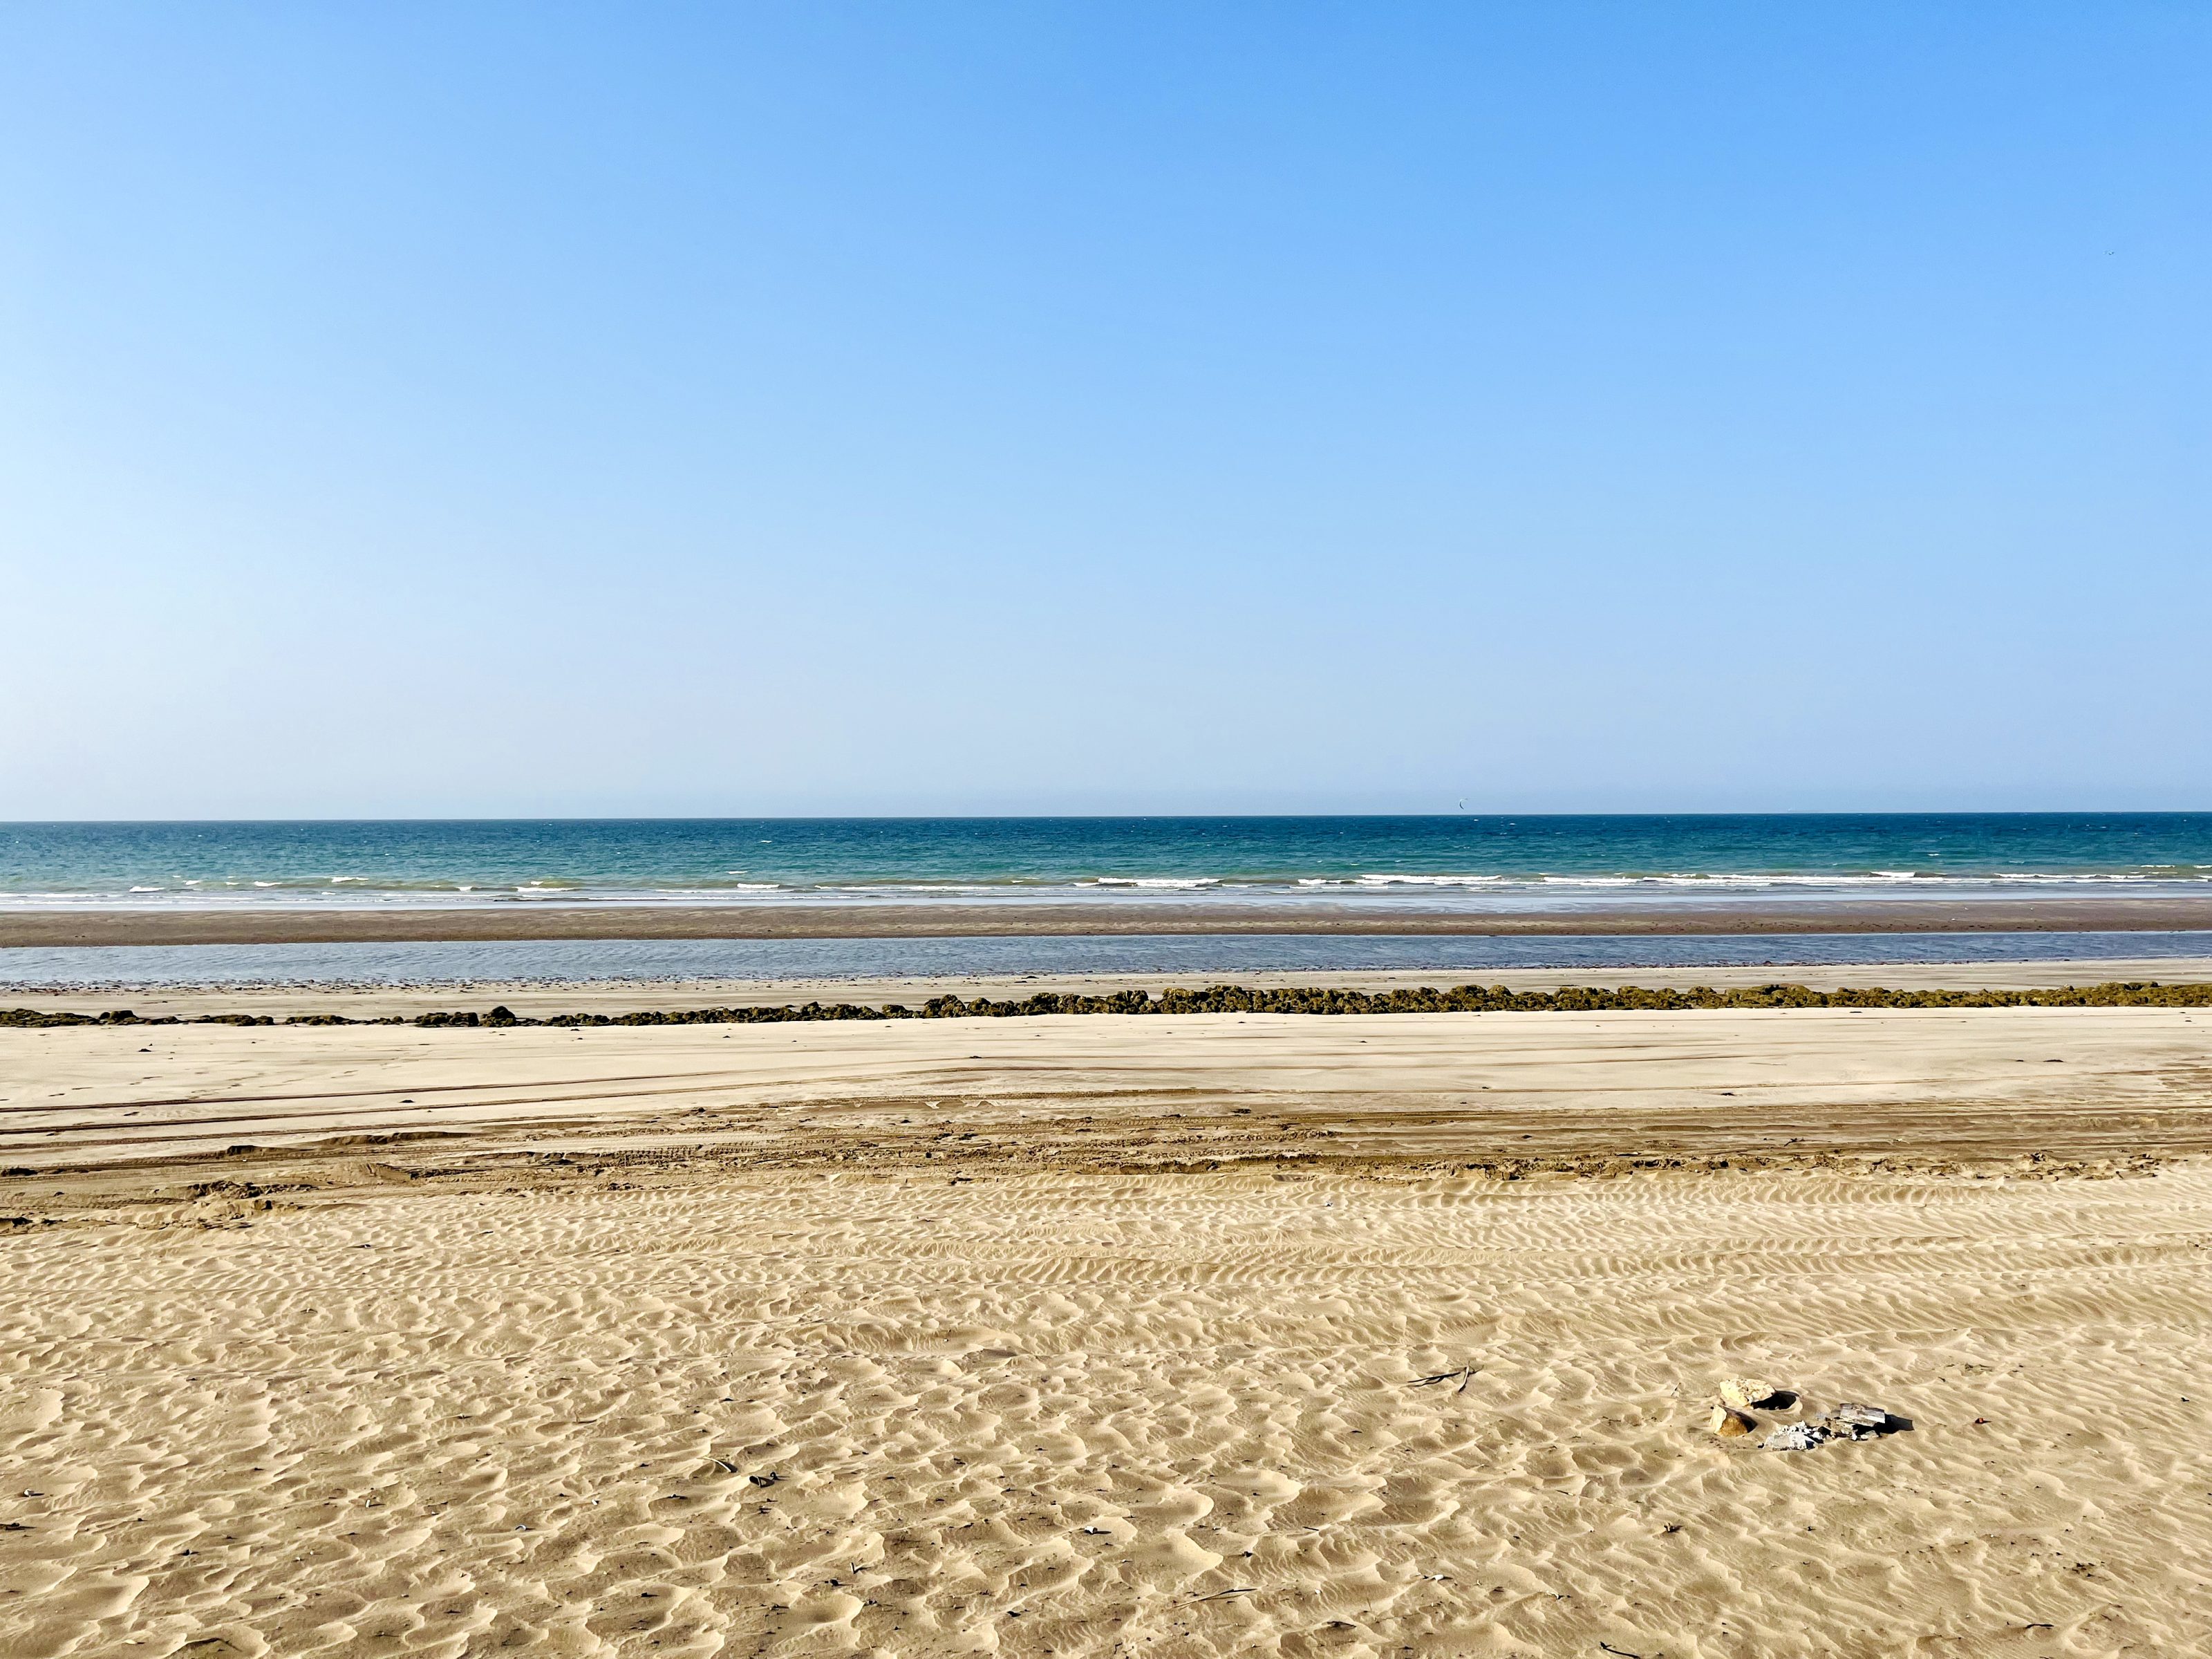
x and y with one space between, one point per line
1464 1375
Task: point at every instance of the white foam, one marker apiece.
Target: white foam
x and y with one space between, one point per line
1430 881
2027 875
1173 883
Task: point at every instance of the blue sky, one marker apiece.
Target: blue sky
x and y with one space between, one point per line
453 410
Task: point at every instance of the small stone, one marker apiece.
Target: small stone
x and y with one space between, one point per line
1742 1391
1799 1437
1728 1424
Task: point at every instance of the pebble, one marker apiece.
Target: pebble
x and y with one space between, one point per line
1741 1391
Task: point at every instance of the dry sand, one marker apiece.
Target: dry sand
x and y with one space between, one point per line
1099 1336
838 921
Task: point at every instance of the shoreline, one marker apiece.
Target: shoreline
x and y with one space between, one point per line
540 999
31 929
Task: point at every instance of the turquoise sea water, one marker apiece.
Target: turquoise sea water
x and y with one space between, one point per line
1456 861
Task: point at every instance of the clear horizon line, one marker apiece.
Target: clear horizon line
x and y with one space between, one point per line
1066 818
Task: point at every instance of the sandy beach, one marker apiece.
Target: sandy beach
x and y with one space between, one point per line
1096 1334
948 919
1200 832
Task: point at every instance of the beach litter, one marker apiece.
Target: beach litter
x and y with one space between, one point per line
1798 1437
1850 1420
1862 1422
1731 1417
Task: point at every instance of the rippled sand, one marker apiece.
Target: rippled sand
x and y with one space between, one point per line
1098 1336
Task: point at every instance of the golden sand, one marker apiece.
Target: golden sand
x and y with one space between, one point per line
1223 1334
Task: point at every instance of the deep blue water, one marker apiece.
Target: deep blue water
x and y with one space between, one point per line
1463 860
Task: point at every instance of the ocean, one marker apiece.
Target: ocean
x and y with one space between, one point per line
1461 862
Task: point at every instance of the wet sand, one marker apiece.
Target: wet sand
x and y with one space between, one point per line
1202 1335
541 999
548 921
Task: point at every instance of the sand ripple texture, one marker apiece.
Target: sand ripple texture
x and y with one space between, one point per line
801 1412
1101 1337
